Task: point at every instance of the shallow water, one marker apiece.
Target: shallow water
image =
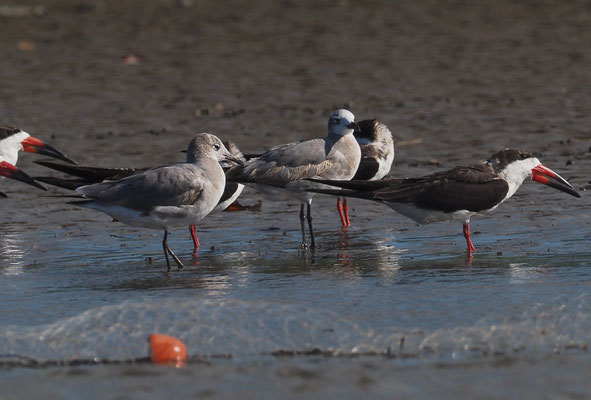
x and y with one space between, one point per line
385 308
376 309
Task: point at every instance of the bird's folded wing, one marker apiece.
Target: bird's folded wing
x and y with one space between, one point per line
294 154
462 188
70 184
368 168
91 174
286 163
173 185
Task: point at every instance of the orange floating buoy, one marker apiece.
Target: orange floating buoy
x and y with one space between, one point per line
167 350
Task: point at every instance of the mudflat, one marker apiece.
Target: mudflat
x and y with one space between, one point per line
383 308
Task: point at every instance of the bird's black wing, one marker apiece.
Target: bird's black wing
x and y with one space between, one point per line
360 186
69 184
461 188
368 168
474 188
90 174
229 191
248 156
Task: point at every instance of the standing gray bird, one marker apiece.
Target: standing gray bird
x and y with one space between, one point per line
166 197
377 156
280 172
89 175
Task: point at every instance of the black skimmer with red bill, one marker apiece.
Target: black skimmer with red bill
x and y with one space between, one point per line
456 194
377 156
91 175
280 173
165 197
8 170
13 140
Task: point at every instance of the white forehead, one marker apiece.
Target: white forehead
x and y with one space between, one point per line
520 168
527 164
344 114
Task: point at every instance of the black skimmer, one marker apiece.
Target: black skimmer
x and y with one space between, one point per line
13 140
91 175
377 156
165 197
456 194
280 172
8 170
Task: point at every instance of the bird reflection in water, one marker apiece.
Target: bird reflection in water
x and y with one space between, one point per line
195 259
344 258
12 253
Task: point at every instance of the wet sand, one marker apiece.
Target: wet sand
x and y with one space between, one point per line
454 82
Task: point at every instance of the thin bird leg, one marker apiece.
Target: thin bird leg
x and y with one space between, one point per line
167 251
309 216
194 236
302 219
340 210
165 247
471 247
176 259
346 208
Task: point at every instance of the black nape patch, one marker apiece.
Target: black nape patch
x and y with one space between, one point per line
6 131
368 129
502 158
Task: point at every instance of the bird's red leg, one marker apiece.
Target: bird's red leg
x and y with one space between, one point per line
471 247
346 209
194 236
340 210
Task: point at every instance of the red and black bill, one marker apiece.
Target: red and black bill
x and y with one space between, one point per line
546 176
34 145
10 171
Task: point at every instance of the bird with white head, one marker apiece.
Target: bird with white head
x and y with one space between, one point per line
280 172
456 194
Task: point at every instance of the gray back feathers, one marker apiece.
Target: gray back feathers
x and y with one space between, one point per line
201 179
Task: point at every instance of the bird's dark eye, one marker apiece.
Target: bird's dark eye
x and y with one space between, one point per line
216 147
336 120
